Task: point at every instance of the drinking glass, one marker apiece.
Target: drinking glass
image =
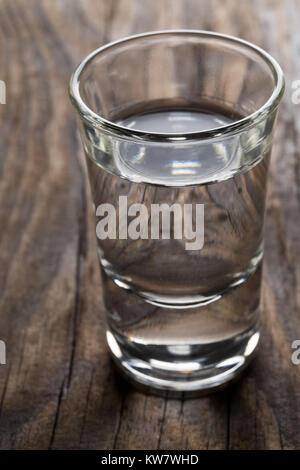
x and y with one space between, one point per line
177 130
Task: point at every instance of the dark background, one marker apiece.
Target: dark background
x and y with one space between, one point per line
58 389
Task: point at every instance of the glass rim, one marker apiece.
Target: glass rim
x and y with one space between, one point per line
94 119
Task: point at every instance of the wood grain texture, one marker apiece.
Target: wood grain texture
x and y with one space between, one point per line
58 389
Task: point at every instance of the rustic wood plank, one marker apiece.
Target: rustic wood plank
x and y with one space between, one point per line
58 389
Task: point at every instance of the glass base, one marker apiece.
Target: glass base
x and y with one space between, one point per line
197 375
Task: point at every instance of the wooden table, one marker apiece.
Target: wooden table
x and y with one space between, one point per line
58 389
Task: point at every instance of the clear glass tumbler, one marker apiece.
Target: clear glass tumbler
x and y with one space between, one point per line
177 129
